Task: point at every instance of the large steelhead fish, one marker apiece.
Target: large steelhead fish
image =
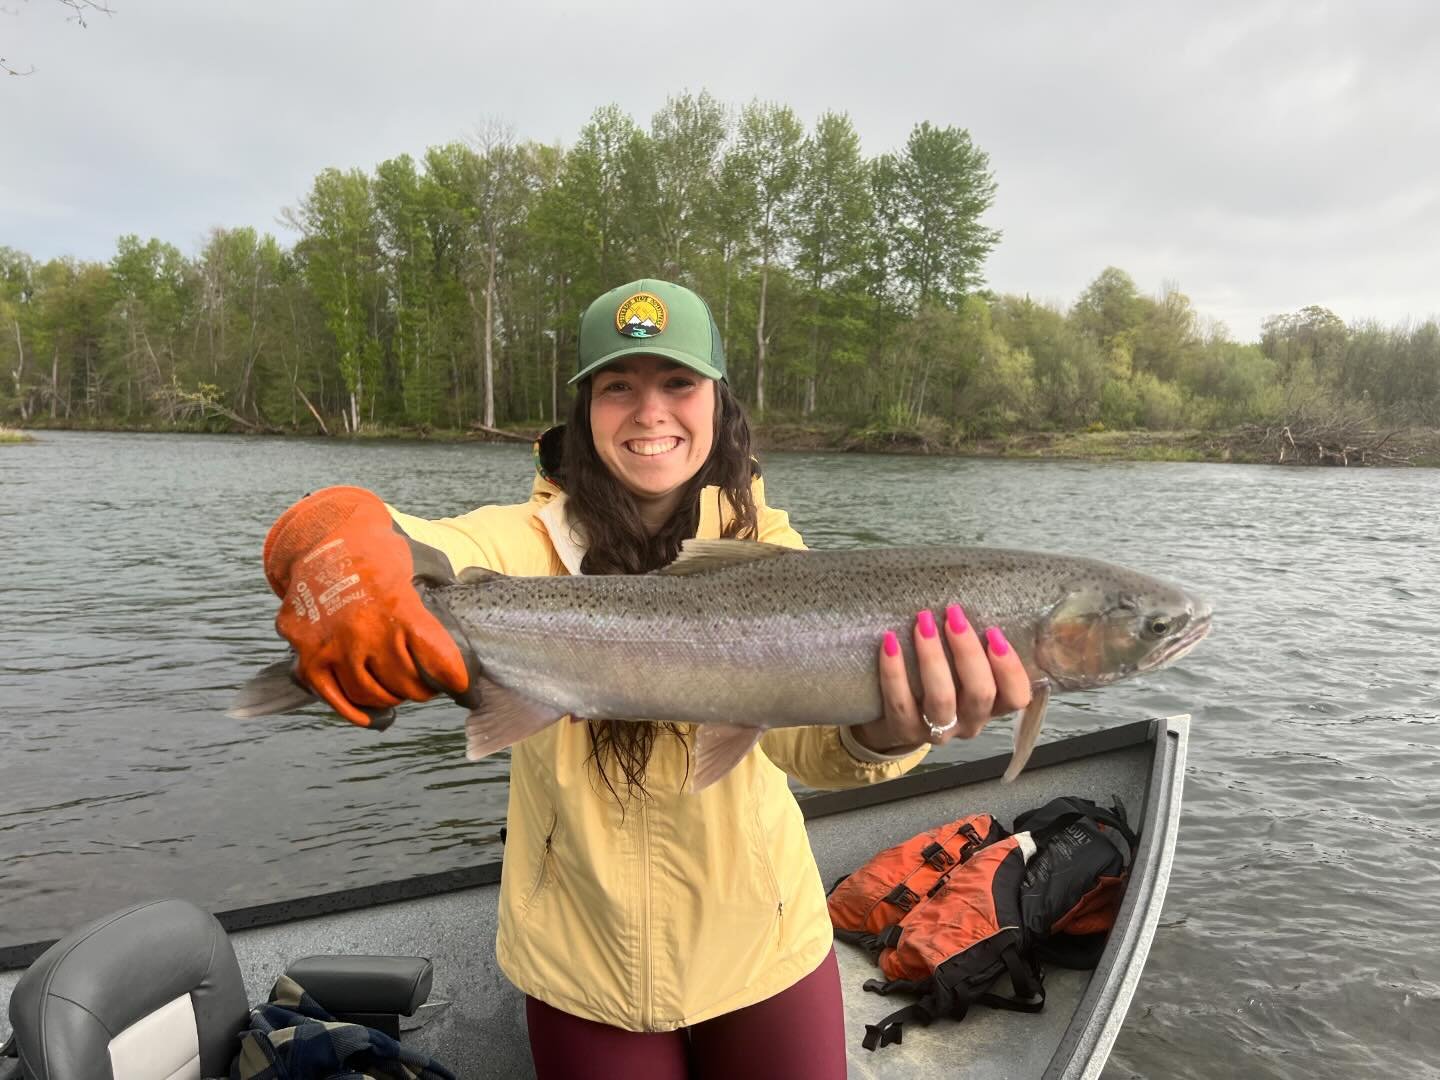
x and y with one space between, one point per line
737 637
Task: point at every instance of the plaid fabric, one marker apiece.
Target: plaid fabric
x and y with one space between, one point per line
293 1038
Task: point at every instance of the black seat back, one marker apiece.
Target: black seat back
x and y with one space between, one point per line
152 992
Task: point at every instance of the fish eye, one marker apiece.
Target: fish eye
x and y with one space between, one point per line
1159 627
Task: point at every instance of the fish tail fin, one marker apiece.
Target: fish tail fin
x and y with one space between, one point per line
718 749
502 717
275 690
1027 729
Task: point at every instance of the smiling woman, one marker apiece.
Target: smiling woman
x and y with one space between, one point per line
655 931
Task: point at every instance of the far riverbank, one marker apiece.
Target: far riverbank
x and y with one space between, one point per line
1251 445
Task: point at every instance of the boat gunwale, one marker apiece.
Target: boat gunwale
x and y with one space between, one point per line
1085 1047
823 804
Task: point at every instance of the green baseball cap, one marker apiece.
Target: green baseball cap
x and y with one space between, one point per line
650 318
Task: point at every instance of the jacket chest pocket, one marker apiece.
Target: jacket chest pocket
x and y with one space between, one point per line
544 864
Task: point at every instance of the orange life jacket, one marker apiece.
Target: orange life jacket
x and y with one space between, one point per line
950 910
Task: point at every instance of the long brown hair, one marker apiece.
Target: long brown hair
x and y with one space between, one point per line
617 541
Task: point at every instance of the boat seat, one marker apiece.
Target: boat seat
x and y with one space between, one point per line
154 992
151 992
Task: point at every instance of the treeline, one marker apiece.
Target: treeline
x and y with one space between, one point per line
445 292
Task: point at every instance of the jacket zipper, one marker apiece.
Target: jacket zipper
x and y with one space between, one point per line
770 872
646 1009
544 865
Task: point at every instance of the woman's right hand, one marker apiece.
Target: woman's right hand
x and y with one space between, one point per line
361 635
981 678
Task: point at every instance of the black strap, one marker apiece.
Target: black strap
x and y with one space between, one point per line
1029 988
940 1000
885 987
871 943
890 1029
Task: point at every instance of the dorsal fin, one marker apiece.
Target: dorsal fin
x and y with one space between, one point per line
478 575
432 565
703 556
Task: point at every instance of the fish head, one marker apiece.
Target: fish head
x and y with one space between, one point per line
1110 626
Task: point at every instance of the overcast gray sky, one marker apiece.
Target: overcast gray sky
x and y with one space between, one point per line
1263 155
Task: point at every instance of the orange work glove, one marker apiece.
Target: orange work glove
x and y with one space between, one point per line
360 632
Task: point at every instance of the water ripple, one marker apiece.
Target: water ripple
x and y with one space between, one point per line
1297 936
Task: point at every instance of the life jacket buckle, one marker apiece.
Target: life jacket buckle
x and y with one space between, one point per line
935 854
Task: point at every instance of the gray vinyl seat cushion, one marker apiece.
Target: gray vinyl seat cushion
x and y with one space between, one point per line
152 992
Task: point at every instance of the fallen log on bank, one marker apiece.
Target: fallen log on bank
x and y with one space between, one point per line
1320 443
475 425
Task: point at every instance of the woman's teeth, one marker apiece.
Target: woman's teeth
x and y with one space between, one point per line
651 447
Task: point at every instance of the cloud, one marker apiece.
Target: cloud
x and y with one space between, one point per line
1263 155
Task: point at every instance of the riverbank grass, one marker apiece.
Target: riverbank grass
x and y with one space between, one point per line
10 435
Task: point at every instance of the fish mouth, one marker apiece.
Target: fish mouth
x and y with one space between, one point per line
1198 628
650 448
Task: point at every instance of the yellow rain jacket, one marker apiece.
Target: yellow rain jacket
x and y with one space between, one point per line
660 912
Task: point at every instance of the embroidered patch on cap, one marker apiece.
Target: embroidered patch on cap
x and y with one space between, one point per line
641 316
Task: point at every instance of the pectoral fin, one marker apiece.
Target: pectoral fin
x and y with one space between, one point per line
276 690
1027 729
718 749
502 718
272 691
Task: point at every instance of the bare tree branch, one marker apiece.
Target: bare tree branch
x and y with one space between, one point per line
80 8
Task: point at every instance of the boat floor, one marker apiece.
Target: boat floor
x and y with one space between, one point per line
989 1043
481 1033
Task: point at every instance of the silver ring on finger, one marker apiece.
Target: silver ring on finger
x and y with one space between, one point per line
937 732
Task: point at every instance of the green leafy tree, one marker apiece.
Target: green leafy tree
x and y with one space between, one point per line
150 296
833 212
684 150
1313 336
766 166
17 291
1167 339
340 251
406 242
1067 367
498 191
598 180
1110 310
945 185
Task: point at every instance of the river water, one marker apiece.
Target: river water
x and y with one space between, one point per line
1300 932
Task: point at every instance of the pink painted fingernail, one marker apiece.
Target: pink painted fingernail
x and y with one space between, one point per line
892 644
926 622
955 619
996 640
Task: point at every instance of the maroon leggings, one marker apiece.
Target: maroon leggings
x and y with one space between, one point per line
799 1034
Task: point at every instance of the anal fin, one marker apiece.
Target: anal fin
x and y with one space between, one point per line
1027 729
718 749
503 717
